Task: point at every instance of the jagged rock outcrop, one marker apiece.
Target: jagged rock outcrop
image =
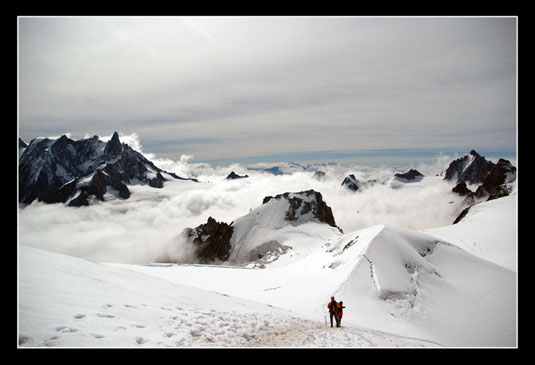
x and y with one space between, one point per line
305 202
254 236
59 170
462 215
22 144
494 179
351 183
212 240
410 176
462 189
495 182
234 176
475 169
471 168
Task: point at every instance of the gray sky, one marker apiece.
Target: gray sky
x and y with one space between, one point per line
235 87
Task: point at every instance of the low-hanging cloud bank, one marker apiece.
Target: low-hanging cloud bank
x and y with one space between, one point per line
148 227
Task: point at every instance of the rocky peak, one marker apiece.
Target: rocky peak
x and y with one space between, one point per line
234 176
471 168
113 147
55 170
212 240
22 144
305 205
495 182
411 175
351 183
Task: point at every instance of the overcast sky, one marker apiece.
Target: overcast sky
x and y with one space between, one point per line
235 87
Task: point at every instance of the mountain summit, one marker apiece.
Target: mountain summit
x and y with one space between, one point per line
256 234
65 170
471 168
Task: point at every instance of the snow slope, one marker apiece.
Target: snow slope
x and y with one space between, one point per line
400 287
267 227
70 302
391 279
489 230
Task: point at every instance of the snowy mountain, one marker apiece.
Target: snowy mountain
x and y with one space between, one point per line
409 176
64 170
394 280
234 176
263 279
398 180
471 168
350 182
491 181
256 235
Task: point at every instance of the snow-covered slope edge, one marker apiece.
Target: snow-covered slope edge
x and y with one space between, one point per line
489 231
69 302
414 283
391 279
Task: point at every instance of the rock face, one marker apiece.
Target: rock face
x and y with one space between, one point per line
471 168
495 183
59 170
410 176
462 189
213 240
234 176
305 202
247 238
22 144
494 179
351 183
474 169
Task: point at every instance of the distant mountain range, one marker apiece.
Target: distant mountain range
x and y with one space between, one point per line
474 169
70 171
73 171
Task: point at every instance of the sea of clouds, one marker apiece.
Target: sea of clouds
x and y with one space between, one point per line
148 226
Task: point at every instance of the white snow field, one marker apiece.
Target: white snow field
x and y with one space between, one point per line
71 302
453 286
489 230
390 279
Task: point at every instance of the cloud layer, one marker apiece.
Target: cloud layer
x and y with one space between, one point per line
231 87
147 227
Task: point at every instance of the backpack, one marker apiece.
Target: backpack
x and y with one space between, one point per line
333 304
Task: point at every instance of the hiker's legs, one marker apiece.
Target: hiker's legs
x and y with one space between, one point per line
337 321
332 315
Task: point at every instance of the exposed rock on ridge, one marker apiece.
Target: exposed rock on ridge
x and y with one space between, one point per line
471 168
305 202
234 176
214 240
494 179
411 175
